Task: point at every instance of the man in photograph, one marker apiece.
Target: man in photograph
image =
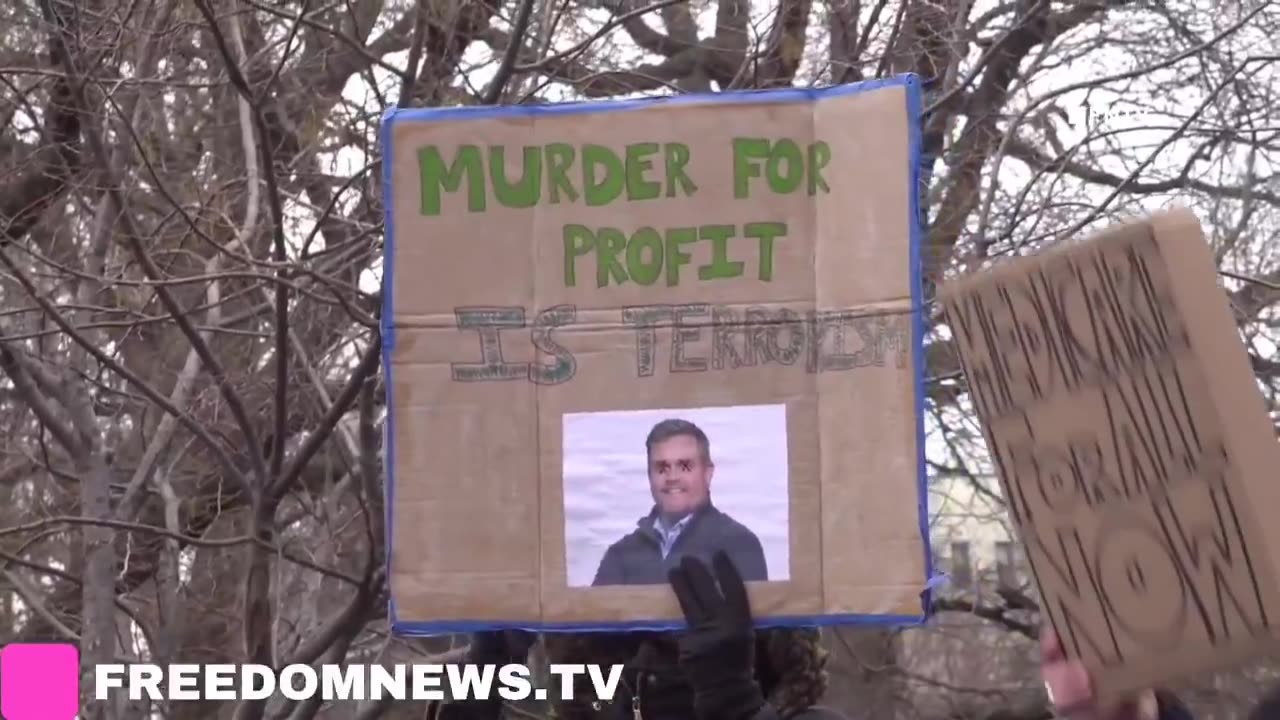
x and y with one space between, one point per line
683 520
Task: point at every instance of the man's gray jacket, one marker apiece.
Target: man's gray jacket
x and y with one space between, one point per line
637 559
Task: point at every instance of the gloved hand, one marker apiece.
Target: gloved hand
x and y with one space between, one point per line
493 647
717 653
500 647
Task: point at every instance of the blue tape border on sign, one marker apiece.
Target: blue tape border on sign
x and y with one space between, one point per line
911 83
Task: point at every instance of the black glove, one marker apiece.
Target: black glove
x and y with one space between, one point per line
498 647
494 647
717 653
1171 707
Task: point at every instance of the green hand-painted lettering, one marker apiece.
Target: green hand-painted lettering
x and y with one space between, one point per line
551 173
766 232
644 272
785 168
578 241
676 237
744 149
644 255
720 266
559 160
609 242
638 188
522 194
598 190
436 177
677 156
819 156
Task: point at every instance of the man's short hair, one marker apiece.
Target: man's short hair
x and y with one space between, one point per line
675 427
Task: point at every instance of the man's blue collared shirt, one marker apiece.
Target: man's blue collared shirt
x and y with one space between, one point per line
669 535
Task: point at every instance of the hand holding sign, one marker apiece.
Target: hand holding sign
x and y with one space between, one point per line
717 652
561 280
1071 690
1134 448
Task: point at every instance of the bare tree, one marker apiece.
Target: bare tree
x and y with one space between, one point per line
191 246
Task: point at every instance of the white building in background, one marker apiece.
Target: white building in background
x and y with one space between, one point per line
972 538
973 543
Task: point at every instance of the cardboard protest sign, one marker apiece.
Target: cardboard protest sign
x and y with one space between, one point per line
1133 447
599 317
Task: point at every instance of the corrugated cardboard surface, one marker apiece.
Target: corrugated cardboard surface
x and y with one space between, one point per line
1134 446
477 513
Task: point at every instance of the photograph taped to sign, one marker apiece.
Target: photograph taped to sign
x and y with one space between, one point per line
549 269
626 470
1134 447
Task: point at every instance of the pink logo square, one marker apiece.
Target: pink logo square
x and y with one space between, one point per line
39 682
